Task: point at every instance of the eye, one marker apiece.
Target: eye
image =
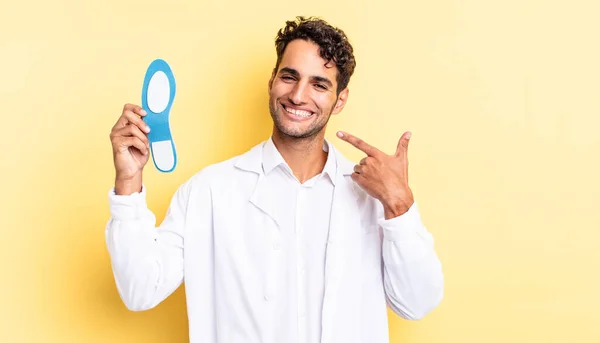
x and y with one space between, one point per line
321 86
287 78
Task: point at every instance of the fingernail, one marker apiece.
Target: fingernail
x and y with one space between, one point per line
147 128
340 134
408 135
143 112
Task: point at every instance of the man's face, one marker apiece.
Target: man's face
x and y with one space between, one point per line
302 92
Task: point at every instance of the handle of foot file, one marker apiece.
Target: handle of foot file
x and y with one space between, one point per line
158 94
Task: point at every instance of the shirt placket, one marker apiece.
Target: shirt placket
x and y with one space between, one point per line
301 204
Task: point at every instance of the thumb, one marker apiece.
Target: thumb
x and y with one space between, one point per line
403 143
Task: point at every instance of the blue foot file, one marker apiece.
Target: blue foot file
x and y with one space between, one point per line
158 94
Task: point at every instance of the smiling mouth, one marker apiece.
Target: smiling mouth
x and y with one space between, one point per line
297 113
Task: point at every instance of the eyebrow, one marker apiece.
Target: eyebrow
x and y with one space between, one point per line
314 78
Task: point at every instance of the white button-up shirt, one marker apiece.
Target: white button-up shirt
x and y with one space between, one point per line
267 259
304 211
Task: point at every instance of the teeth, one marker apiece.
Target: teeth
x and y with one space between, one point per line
298 112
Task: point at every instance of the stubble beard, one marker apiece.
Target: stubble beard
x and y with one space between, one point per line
312 131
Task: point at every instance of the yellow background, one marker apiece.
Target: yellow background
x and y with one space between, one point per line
502 97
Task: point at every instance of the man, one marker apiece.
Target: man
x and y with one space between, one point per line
289 242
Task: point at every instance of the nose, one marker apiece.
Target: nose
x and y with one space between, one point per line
297 96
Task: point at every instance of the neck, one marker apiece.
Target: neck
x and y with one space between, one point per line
305 156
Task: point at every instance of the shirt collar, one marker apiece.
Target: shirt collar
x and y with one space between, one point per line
271 158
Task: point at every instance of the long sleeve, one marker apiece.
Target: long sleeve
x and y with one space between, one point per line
147 261
413 278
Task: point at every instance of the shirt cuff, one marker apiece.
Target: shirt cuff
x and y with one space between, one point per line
403 226
127 207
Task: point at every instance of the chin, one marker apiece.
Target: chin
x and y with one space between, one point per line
292 131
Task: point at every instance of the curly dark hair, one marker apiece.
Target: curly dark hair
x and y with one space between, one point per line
333 45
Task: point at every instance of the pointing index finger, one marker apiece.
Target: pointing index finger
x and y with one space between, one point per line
358 143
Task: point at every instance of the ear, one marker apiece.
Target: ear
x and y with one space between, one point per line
341 101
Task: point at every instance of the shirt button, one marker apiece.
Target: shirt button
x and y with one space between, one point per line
276 245
266 297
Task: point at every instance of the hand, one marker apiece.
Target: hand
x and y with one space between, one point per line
382 176
130 149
